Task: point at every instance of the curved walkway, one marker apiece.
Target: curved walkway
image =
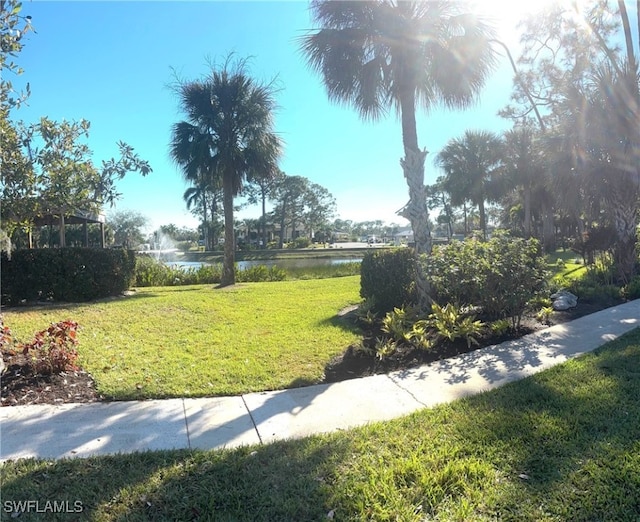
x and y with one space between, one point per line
82 430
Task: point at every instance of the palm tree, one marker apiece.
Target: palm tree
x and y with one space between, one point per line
524 166
402 54
228 135
612 141
472 166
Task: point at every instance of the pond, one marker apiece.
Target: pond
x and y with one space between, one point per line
281 263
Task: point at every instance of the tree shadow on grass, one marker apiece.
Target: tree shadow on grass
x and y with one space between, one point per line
569 438
55 305
345 320
282 481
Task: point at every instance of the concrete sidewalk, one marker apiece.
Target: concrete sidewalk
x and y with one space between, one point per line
81 430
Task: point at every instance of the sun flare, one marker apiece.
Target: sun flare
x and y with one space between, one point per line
506 15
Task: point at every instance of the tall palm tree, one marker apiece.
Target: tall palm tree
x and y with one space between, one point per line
380 54
612 142
524 166
227 136
473 165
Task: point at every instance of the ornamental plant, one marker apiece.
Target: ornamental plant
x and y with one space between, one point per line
499 276
53 350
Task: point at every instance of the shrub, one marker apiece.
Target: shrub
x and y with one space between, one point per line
500 275
299 242
53 350
632 289
151 272
66 274
387 278
259 273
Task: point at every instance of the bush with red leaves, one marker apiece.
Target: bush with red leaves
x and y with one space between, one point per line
53 350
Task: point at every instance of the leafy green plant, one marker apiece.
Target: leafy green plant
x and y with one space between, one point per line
260 273
444 320
361 347
632 289
385 347
365 313
398 324
500 326
544 314
451 324
538 302
421 335
299 242
500 275
53 350
470 329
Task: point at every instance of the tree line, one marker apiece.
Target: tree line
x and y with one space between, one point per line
570 161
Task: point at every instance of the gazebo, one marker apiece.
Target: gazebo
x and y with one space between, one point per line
71 217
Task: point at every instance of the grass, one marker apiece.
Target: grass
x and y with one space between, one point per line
195 341
561 445
562 266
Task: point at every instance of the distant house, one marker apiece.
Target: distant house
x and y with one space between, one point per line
340 237
404 236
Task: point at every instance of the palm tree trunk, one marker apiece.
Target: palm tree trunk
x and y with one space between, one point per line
483 219
466 219
264 220
416 210
282 224
527 211
228 264
205 225
625 221
548 229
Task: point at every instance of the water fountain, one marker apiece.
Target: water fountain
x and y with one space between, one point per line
163 247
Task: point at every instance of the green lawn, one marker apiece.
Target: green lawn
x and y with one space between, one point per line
568 269
199 341
561 445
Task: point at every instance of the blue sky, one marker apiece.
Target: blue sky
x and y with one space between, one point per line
111 63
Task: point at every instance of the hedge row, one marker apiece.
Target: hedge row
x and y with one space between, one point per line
65 274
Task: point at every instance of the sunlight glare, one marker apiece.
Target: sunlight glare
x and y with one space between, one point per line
506 15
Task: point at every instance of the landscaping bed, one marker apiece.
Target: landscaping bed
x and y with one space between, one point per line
19 386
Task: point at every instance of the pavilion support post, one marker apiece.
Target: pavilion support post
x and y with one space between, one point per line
62 238
101 235
86 234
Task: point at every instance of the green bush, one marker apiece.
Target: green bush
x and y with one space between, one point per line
66 274
387 278
151 272
299 242
259 273
500 275
632 289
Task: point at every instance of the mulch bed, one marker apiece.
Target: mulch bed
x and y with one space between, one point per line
19 386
